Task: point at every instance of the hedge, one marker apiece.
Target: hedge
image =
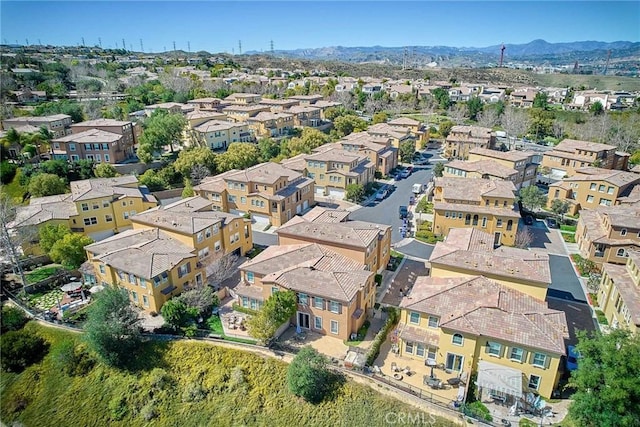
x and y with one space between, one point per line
393 315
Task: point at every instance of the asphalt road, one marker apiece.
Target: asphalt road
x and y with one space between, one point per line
564 282
416 249
386 211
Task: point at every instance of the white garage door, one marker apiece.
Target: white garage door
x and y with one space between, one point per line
260 218
298 209
320 190
101 235
337 193
305 205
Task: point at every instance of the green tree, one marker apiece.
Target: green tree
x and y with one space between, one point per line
406 151
187 159
308 140
307 375
531 197
541 100
596 108
635 158
81 169
13 318
355 192
7 172
277 309
345 125
112 329
445 128
63 106
69 251
380 117
160 130
187 191
474 106
559 207
176 313
105 170
239 155
268 149
607 380
200 300
442 97
153 181
55 167
541 123
46 184
49 234
21 349
438 169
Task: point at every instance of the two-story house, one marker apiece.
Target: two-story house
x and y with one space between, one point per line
279 105
307 99
571 154
619 293
476 325
379 149
397 134
95 145
415 128
485 204
607 234
306 116
243 98
470 252
58 124
592 187
207 104
335 293
130 131
169 107
268 125
219 134
462 139
366 242
486 169
525 162
270 193
242 113
97 207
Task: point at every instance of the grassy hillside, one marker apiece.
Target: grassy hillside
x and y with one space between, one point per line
180 384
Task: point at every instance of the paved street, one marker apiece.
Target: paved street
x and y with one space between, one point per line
545 239
416 249
386 211
564 282
578 316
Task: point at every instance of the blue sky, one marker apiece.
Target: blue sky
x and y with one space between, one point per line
217 26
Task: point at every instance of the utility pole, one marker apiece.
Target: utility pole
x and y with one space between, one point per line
39 42
6 213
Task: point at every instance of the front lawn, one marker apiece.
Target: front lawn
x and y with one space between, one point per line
569 237
42 273
571 228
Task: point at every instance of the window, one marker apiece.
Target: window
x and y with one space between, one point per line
539 359
274 289
484 222
85 206
132 278
250 277
102 269
91 221
207 233
610 190
433 322
499 222
334 327
516 354
243 200
494 349
303 298
72 147
107 158
414 318
318 303
467 219
605 202
457 339
509 225
317 322
143 282
534 382
125 215
420 350
589 199
183 270
95 205
623 232
592 186
334 307
108 218
601 188
204 252
145 301
134 295
408 347
217 246
200 237
475 220
621 252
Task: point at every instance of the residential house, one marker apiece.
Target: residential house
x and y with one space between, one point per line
491 95
304 115
324 105
242 113
269 192
58 124
619 293
150 264
607 234
523 98
27 95
334 293
415 128
583 100
97 207
218 134
397 134
365 242
268 125
279 105
169 107
207 104
525 162
486 169
307 99
400 89
474 325
379 149
591 187
571 154
243 98
461 93
463 139
130 132
95 145
485 204
468 252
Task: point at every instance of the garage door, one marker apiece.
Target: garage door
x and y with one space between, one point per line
337 193
320 190
236 212
101 235
299 209
260 218
305 205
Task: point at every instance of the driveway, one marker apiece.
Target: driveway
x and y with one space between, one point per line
404 281
386 211
544 239
564 282
416 249
264 239
578 316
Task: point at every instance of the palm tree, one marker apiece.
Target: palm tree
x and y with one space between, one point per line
46 136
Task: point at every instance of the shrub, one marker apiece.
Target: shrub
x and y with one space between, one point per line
392 319
7 172
478 410
149 411
13 318
118 408
245 310
71 359
21 349
307 375
602 319
193 392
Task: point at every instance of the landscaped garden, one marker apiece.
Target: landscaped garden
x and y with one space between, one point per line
45 301
42 273
585 267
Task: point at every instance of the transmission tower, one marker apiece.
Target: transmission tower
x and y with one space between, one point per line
27 40
82 38
189 46
100 42
239 47
124 46
502 54
174 46
39 42
141 46
271 46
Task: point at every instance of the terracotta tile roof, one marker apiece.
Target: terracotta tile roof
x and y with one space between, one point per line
351 233
104 187
482 307
628 290
571 145
488 167
419 335
216 126
296 163
42 209
90 136
183 220
473 189
321 214
514 156
102 122
404 121
615 177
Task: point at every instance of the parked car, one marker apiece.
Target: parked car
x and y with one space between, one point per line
403 211
382 193
528 220
572 358
404 173
552 223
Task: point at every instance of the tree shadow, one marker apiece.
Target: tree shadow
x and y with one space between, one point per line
333 382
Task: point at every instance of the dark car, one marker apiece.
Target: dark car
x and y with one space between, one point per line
572 358
552 223
403 211
528 220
